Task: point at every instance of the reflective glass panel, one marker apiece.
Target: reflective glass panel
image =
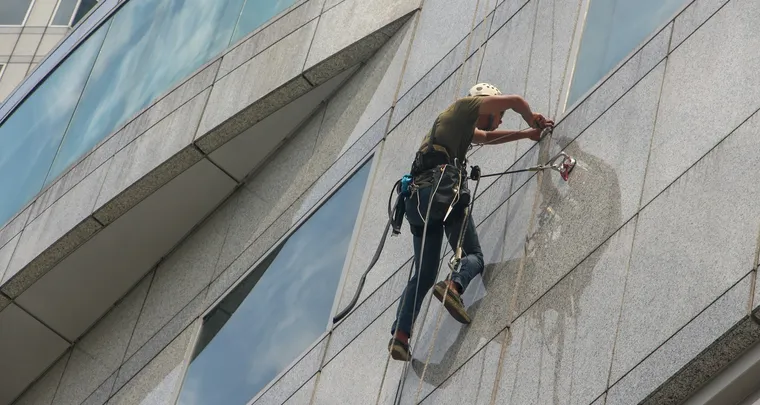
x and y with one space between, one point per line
13 12
65 10
257 12
613 29
84 7
30 137
277 311
151 46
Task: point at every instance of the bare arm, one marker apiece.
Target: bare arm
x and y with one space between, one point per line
497 104
503 136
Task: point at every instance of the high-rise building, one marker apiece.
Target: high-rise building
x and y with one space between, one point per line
191 190
29 29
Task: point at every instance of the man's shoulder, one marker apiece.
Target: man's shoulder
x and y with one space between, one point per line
464 105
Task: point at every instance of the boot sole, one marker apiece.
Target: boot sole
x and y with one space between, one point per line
399 354
451 305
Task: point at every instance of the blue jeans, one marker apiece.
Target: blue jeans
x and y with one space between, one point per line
472 256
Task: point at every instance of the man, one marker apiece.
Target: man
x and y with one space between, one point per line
470 120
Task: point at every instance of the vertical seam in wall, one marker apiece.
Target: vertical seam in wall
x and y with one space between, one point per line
698 26
622 303
521 265
636 218
152 275
402 73
313 37
63 373
195 140
322 106
654 125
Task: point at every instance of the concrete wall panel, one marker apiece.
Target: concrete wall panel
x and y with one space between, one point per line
100 353
673 276
474 382
159 381
729 311
43 390
712 69
573 218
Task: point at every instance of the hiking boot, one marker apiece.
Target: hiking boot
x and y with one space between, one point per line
399 350
453 303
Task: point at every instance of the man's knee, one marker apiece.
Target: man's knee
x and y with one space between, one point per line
416 230
478 255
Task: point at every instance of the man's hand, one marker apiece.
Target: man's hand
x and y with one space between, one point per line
534 134
538 121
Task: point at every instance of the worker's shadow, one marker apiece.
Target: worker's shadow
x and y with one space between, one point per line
571 220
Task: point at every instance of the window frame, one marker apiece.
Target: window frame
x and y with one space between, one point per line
26 17
185 364
575 49
572 61
71 17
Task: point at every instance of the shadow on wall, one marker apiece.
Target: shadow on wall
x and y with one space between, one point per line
573 217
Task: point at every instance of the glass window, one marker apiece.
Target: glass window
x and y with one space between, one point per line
152 44
64 11
277 311
257 12
30 137
613 28
84 7
13 12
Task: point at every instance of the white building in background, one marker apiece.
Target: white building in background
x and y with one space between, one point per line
29 29
190 190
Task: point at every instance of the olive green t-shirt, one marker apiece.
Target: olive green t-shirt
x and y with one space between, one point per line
455 127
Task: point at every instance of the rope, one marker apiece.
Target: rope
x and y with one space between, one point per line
521 265
462 228
416 289
468 209
439 321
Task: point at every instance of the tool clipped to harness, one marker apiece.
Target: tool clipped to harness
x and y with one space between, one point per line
396 214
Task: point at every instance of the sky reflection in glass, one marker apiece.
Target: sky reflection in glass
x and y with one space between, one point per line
257 12
613 29
281 308
151 46
30 137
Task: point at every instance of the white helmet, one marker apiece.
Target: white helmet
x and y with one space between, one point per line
483 89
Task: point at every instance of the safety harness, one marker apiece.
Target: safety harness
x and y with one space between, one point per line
562 163
408 184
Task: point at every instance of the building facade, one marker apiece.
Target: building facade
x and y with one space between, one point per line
192 189
29 29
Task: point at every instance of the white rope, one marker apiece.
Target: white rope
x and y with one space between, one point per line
467 210
521 265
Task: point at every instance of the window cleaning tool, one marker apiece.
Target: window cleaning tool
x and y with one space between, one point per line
562 163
